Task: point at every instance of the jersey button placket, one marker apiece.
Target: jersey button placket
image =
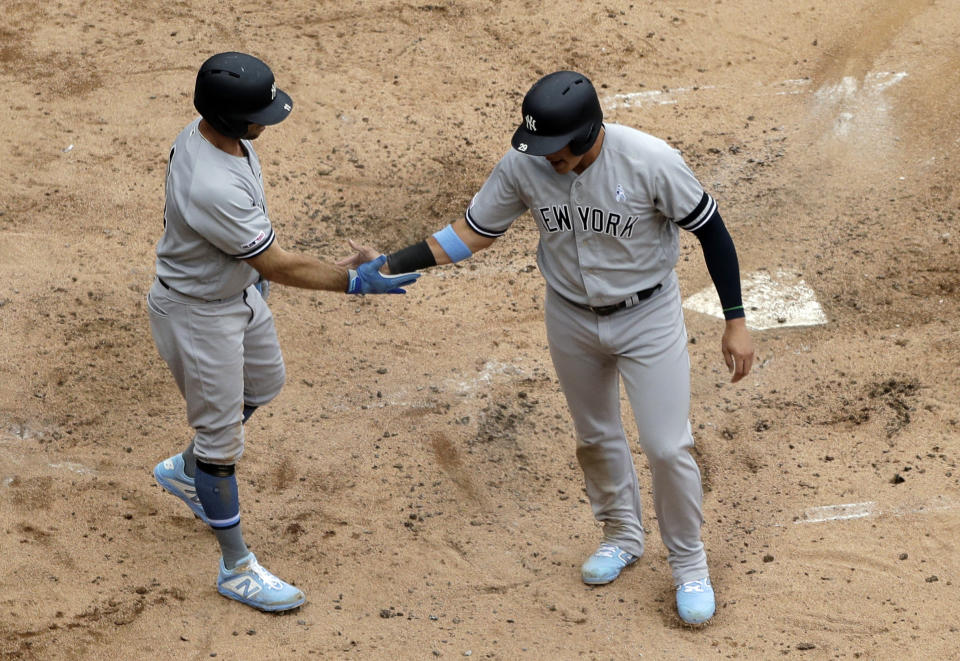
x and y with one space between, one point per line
582 239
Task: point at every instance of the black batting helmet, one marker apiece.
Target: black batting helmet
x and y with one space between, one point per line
236 89
560 109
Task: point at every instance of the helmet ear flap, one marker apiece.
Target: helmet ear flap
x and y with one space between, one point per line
230 128
583 142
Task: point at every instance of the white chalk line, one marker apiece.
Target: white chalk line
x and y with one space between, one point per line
849 87
649 97
73 467
845 91
668 96
859 104
870 509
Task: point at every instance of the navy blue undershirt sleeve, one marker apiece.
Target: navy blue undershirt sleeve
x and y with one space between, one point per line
721 257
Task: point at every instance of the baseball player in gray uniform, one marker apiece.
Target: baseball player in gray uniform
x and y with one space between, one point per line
207 311
609 202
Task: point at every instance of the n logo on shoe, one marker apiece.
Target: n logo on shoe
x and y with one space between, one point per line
189 490
243 586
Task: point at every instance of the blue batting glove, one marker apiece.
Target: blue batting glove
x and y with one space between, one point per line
367 279
263 286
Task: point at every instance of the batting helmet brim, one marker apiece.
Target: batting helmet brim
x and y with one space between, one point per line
540 145
276 112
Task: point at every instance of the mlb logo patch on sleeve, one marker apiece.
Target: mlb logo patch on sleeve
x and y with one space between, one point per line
257 241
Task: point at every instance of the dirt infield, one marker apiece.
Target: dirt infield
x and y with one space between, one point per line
417 478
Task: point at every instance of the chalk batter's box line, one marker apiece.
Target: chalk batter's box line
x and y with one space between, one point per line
867 509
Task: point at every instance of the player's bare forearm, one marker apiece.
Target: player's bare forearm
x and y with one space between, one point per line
299 270
311 273
737 348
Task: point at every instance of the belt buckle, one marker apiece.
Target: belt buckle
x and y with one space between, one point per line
606 310
634 299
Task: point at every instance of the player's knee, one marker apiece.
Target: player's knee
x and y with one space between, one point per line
279 378
661 454
268 385
280 372
595 438
664 456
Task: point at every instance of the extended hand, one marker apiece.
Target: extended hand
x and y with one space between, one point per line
367 279
364 254
737 347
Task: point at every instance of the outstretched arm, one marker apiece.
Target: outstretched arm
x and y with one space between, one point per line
299 270
451 244
721 257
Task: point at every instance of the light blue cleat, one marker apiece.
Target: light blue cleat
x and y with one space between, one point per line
695 601
250 583
169 475
605 564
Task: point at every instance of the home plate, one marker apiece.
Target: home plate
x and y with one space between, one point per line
770 302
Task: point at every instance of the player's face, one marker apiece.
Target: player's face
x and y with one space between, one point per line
564 161
253 131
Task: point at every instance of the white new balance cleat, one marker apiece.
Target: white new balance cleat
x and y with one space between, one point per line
250 583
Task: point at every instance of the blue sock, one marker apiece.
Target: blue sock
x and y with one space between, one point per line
217 490
247 412
189 461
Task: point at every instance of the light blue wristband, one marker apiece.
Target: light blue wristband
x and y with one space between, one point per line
452 244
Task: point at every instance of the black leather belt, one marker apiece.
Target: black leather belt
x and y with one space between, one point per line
604 310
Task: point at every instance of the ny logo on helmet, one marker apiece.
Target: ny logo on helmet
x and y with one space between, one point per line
273 91
531 123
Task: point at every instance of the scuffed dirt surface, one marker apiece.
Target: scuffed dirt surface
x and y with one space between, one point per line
416 478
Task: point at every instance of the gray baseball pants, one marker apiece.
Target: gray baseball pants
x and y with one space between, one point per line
223 354
646 346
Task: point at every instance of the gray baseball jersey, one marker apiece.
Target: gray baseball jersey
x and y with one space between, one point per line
608 232
215 217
